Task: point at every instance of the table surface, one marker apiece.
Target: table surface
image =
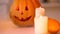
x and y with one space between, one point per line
7 27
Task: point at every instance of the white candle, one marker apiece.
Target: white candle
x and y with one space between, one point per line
40 21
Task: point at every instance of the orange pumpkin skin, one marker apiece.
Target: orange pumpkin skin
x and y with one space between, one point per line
53 25
22 12
36 3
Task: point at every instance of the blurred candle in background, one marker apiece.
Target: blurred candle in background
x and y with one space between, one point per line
40 21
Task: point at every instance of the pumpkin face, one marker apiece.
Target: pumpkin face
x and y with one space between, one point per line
22 12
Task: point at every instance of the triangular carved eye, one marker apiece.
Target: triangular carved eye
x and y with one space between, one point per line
26 8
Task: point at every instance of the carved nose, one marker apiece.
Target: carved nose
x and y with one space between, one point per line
21 13
17 8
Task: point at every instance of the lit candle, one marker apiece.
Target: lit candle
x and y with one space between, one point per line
40 21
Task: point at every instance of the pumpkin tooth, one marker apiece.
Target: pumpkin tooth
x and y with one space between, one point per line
22 19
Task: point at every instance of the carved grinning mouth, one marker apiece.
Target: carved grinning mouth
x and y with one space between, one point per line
22 19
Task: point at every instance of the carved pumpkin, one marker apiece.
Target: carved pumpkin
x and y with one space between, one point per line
22 12
53 25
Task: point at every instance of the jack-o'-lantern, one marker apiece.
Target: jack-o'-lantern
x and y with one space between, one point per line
22 12
53 26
